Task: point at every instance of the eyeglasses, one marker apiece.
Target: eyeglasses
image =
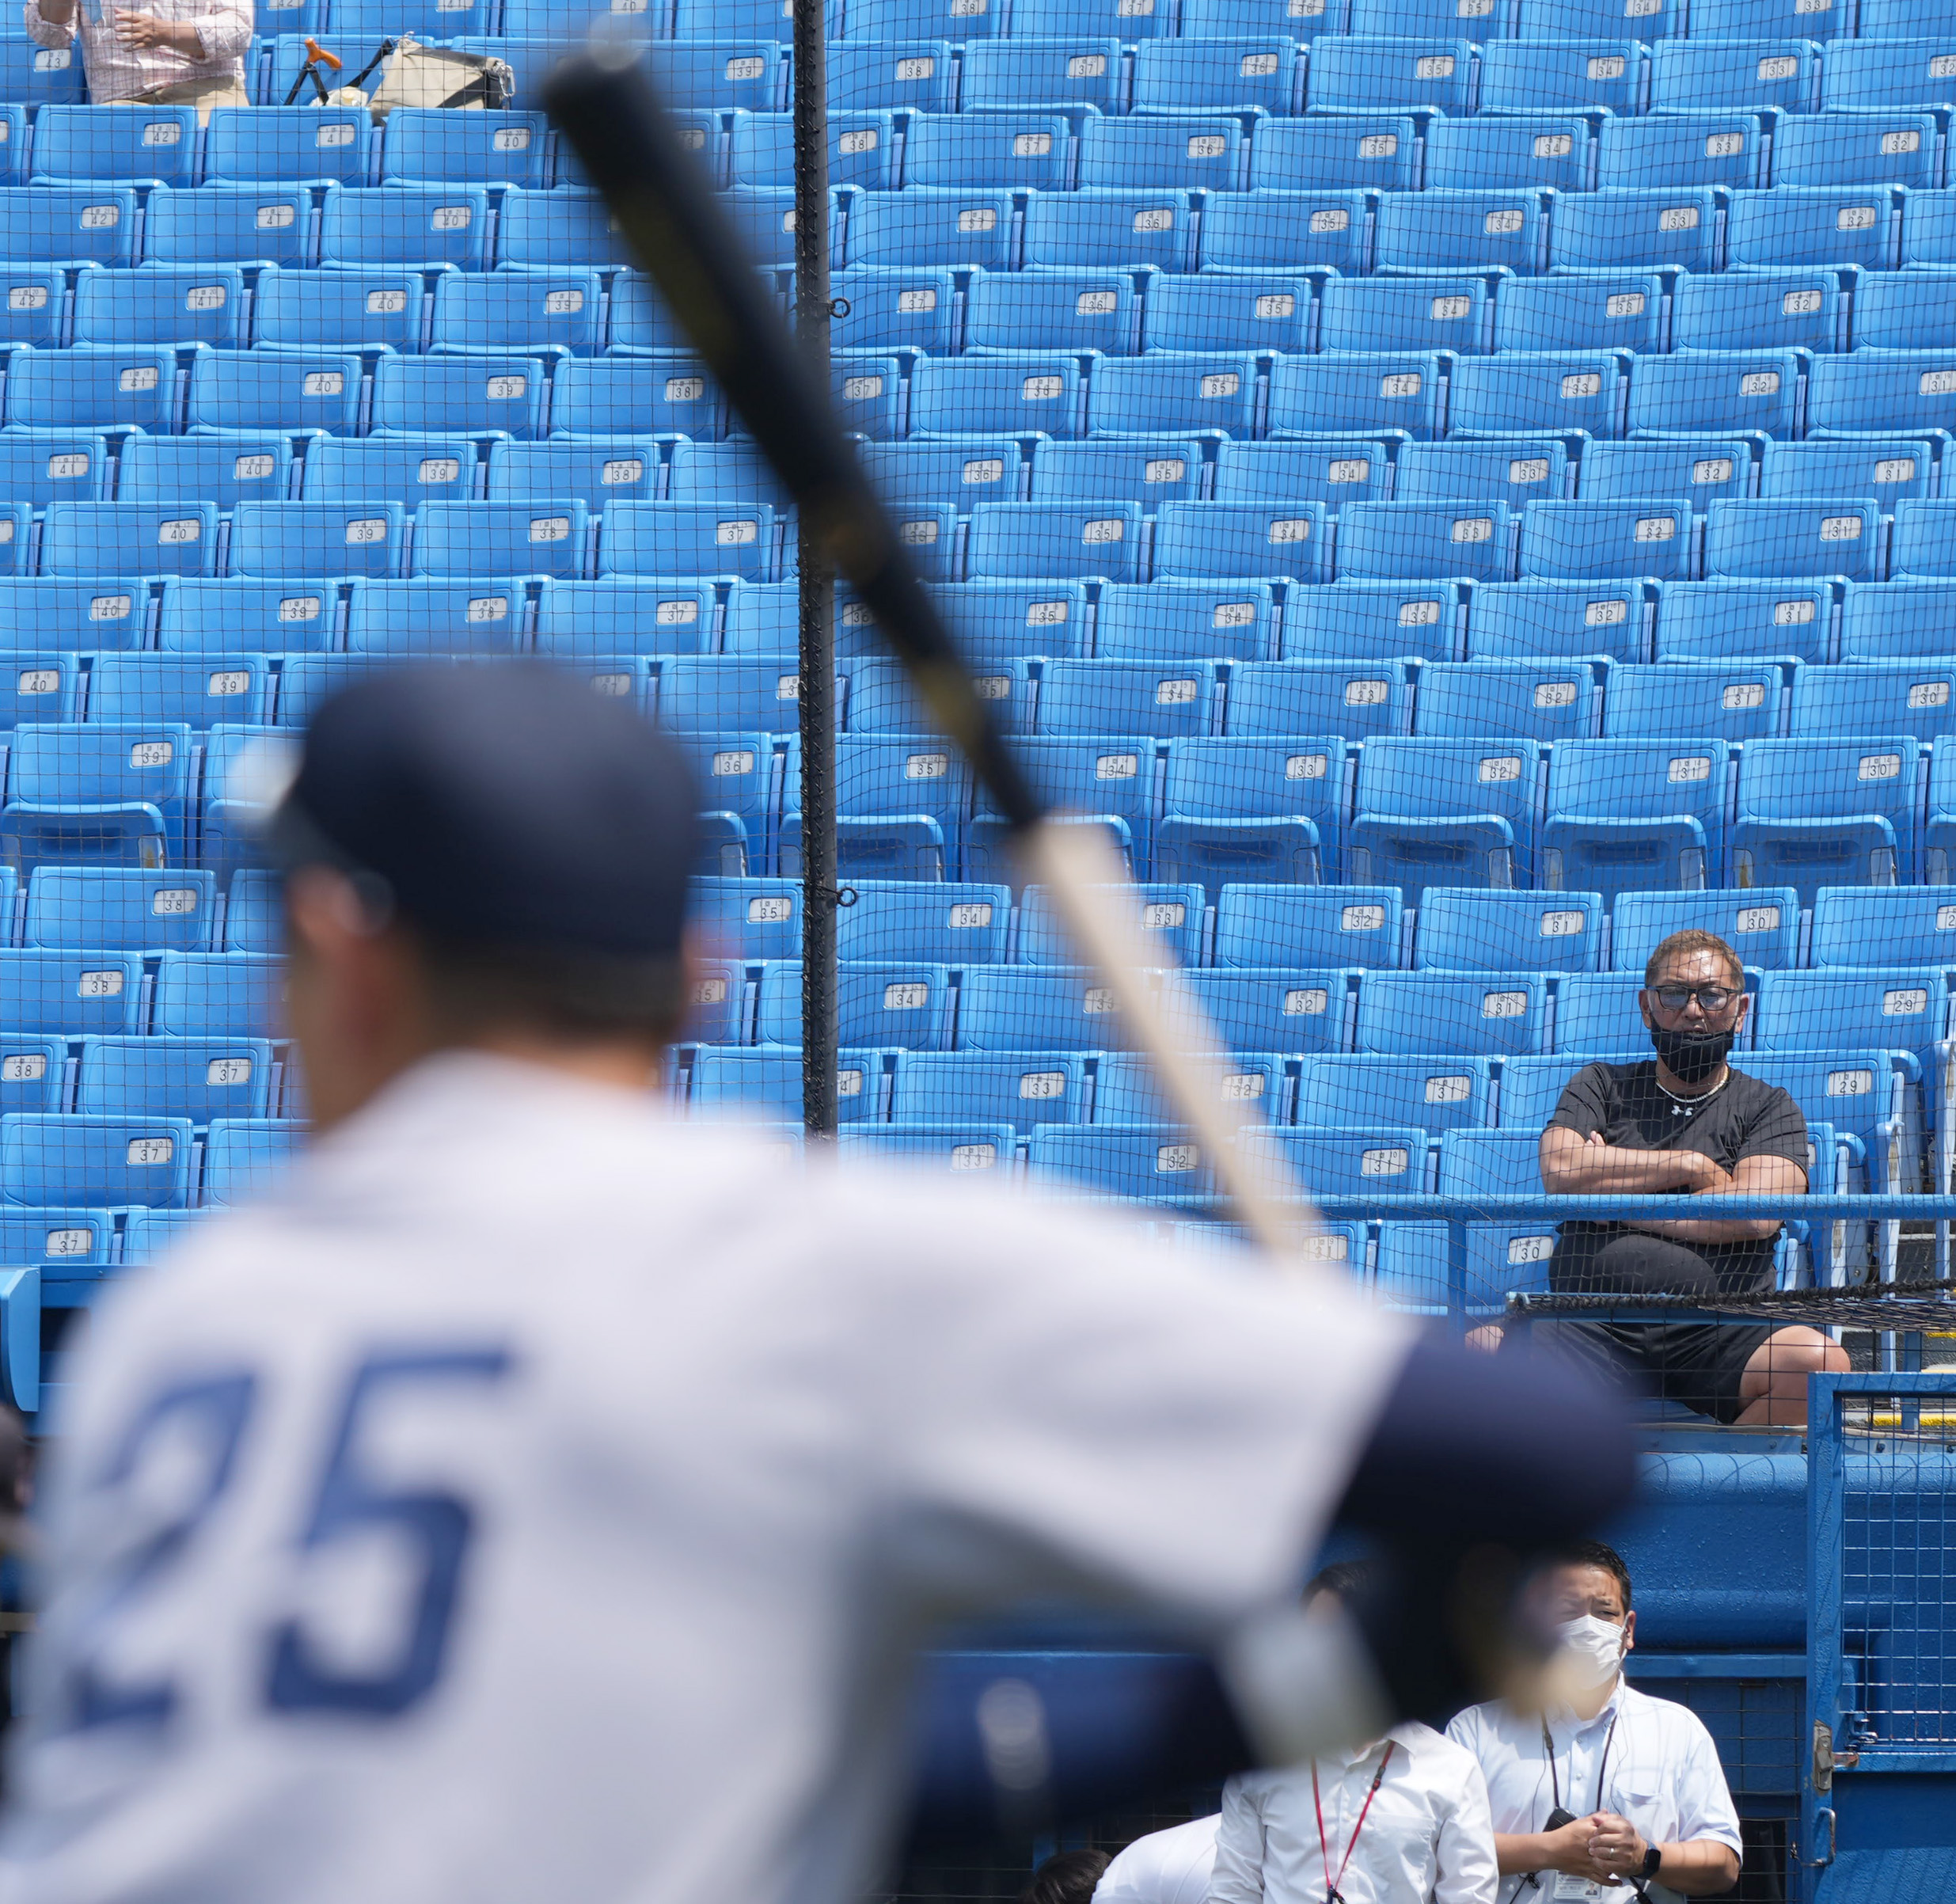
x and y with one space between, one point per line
1711 998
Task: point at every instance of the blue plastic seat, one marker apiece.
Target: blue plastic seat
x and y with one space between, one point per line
1356 394
900 1005
49 1159
1489 1163
1232 75
737 775
1873 391
1547 392
959 1147
951 151
1712 700
1405 314
612 616
1377 1159
1744 621
1370 74
1062 72
1634 815
1761 924
1535 700
1377 152
1444 813
242 614
130 388
1676 149
408 469
1473 929
315 144
428 147
269 390
39 688
1243 810
540 537
1909 925
1896 1008
197 690
68 224
1536 620
913 309
1716 390
719 472
237 784
1136 395
1357 699
44 466
862 151
1928 228
901 805
1015 1088
1767 19
596 470
955 472
1816 812
1007 1008
1501 155
1924 540
129 538
1435 230
995 622
517 310
43 612
913 75
713 695
550 229
1759 310
1875 698
1895 621
1328 471
318 539
1182 153
1186 620
478 396
218 995
1531 1088
1835 149
154 304
1426 540
1704 468
1253 1090
993 396
1900 311
243 1158
122 908
227 469
1050 310
1166 698
1353 926
303 682
33 302
1477 1015
342 309
1151 1163
1882 74
1599 1017
1124 230
1830 225
1597 74
764 220
194 1078
1290 1009
1590 541
73 993
427 616
1743 75
73 1246
1578 20
1267 231
1621 310
41 75
1675 226
1104 780
1890 469
1174 921
749 919
125 143
1795 537
260 224
934 922
1059 539
753 1082
1301 19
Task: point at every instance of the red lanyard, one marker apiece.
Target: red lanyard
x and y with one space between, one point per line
1333 1894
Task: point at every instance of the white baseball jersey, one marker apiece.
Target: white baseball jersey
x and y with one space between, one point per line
539 1499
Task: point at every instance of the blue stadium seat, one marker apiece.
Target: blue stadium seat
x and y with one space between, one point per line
1717 390
712 694
122 908
1435 230
719 472
1535 700
1376 152
740 795
1166 698
425 147
1288 1010
550 229
68 224
1173 916
1017 1088
147 1234
103 1161
1600 1017
955 472
901 1005
33 303
226 470
1124 230
1553 392
1760 310
1895 621
1501 155
1239 539
932 920
1185 620
1672 226
1875 698
408 469
1242 810
194 1078
899 75
134 388
1910 926
1106 780
1873 391
196 690
1405 314
1896 1008
1354 926
1881 75
1356 395
478 396
1761 924
254 911
1531 1088
902 806
41 75
1301 19
318 539
1478 1015
1797 537
13 141
1626 816
251 224
1856 149
129 538
136 145
1470 929
1594 310
1253 1090
1587 540
1489 1163
909 309
597 470
1231 75
1057 539
517 310
1899 311
243 1157
1373 74
1580 20
39 688
154 304
727 539
1726 620
862 151
1358 699
1444 813
1675 150
1426 540
1924 539
996 621
1891 469
218 995
1325 471
613 616
1134 396
955 152
1743 75
462 538
270 390
236 785
1007 1008
343 308
1704 468
1155 1163
752 1081
1050 310
958 1147
1181 154
1593 75
303 682
72 993
240 614
1767 19
993 396
1814 812
1830 225
764 220
1267 230
1537 620
315 144
749 918
1928 228
1066 73
1709 700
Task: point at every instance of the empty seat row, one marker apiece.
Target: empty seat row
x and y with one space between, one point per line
83 1161
136 909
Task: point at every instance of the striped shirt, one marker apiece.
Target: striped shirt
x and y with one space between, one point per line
117 71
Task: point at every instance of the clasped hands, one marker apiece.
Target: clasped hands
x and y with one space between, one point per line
1604 1848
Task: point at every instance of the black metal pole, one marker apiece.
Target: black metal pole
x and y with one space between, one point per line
819 1038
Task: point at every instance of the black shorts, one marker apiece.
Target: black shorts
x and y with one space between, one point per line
1698 1364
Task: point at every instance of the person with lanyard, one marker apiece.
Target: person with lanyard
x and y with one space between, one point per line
1615 1793
1685 1122
1402 1820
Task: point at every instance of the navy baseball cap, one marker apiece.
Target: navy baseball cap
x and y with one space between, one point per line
499 804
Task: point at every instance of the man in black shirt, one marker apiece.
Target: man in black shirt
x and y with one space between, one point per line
1685 1122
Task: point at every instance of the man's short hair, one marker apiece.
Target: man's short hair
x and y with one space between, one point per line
564 992
1682 944
1343 1577
1594 1553
1067 1877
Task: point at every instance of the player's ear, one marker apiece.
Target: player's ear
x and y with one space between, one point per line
1630 1630
1643 1004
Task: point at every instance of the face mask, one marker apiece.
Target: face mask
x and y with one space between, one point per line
1594 1648
1692 1056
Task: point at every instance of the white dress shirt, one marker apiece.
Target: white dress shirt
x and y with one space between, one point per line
1663 1775
119 71
1426 1839
1170 1867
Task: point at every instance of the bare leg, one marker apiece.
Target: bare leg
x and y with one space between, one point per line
1774 1386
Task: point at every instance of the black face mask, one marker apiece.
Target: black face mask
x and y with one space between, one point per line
1691 1056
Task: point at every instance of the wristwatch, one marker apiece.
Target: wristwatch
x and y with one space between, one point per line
1652 1858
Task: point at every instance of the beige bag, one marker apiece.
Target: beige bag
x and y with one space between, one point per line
415 74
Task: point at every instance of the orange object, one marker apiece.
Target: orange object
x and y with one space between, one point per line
315 52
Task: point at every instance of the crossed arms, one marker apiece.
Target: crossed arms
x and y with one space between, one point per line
1573 1164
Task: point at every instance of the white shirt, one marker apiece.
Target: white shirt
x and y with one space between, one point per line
119 71
1663 1775
1426 1839
1170 1867
540 1497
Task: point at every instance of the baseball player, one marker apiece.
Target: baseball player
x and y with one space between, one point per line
540 1497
